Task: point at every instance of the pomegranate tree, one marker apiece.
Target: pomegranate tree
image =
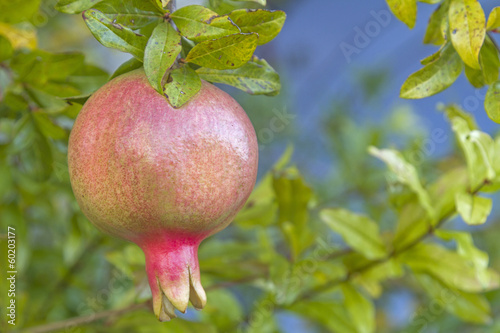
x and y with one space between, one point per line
161 177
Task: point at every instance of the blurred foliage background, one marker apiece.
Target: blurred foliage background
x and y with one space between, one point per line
322 244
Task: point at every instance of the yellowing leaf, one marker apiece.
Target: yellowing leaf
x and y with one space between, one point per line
19 38
228 52
198 23
467 29
255 77
434 33
404 10
494 19
435 76
266 23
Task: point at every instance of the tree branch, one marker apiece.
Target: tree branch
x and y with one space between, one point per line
430 231
78 321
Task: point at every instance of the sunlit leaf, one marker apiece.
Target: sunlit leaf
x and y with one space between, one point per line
473 209
435 76
361 310
406 174
434 33
467 29
267 24
255 77
75 6
199 23
494 19
19 38
360 232
448 267
228 52
404 10
131 13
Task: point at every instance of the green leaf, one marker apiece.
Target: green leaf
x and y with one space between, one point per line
228 52
435 77
266 23
162 49
182 85
404 10
293 197
361 310
134 14
126 67
488 74
359 232
48 102
433 57
333 316
255 77
448 267
435 34
406 174
494 19
6 49
469 307
114 35
198 23
16 11
492 102
466 249
454 111
473 209
48 128
75 6
467 29
479 151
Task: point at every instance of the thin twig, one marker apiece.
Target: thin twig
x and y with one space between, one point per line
78 321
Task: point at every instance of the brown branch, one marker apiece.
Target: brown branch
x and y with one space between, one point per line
78 321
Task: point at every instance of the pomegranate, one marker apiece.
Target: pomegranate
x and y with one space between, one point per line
161 177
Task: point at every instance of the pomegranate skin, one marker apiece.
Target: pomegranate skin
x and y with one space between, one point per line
161 177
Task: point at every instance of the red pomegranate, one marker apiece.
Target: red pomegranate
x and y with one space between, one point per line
161 177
